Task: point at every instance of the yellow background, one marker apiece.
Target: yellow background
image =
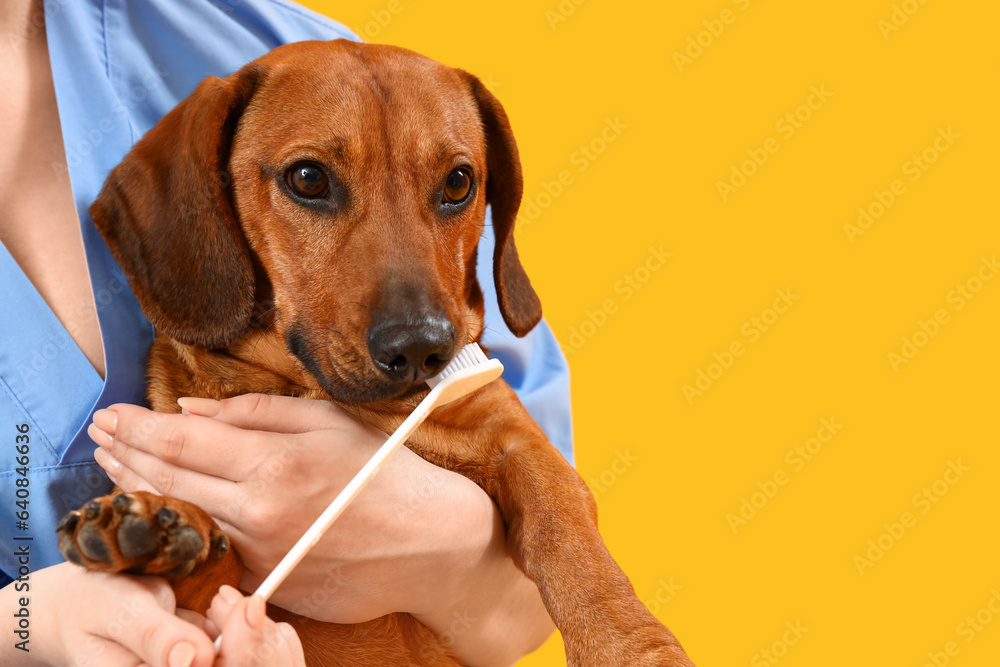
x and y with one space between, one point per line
683 466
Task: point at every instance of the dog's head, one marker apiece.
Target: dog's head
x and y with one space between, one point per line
346 185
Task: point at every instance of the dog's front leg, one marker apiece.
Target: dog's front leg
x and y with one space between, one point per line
552 536
551 523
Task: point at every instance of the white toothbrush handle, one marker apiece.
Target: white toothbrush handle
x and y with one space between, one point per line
467 372
340 503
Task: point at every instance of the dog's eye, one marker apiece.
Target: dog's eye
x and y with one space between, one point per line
457 187
308 180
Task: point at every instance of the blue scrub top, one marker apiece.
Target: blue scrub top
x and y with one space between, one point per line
118 67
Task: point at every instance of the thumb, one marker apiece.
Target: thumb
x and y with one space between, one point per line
263 412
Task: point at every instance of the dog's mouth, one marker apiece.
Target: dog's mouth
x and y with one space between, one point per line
387 374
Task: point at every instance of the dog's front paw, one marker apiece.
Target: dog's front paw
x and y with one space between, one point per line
140 533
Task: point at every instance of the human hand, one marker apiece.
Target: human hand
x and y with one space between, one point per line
249 637
265 467
92 618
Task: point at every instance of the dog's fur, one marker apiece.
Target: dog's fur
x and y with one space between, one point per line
252 289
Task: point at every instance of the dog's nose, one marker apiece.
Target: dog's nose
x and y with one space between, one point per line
407 352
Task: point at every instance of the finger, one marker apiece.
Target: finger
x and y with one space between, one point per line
197 443
224 503
161 591
124 478
290 638
158 637
205 407
102 651
276 414
222 605
194 618
243 640
250 638
145 472
225 509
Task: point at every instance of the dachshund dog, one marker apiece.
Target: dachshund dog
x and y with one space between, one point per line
308 227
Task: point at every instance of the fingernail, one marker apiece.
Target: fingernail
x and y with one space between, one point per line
99 437
256 612
229 594
108 462
181 655
106 420
206 407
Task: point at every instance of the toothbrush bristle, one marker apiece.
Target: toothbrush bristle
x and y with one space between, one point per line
467 357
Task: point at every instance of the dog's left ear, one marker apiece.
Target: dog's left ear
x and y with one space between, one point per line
167 216
519 304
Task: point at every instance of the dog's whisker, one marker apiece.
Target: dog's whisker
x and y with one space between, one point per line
259 338
264 314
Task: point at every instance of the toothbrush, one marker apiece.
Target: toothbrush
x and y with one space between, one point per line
467 372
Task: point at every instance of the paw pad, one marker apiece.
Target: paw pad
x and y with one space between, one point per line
166 516
139 532
92 510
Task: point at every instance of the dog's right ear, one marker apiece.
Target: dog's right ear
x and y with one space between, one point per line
167 215
519 304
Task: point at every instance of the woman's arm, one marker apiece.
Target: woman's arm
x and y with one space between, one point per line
91 618
498 616
421 539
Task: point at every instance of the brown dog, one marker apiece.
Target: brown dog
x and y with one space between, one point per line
346 185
